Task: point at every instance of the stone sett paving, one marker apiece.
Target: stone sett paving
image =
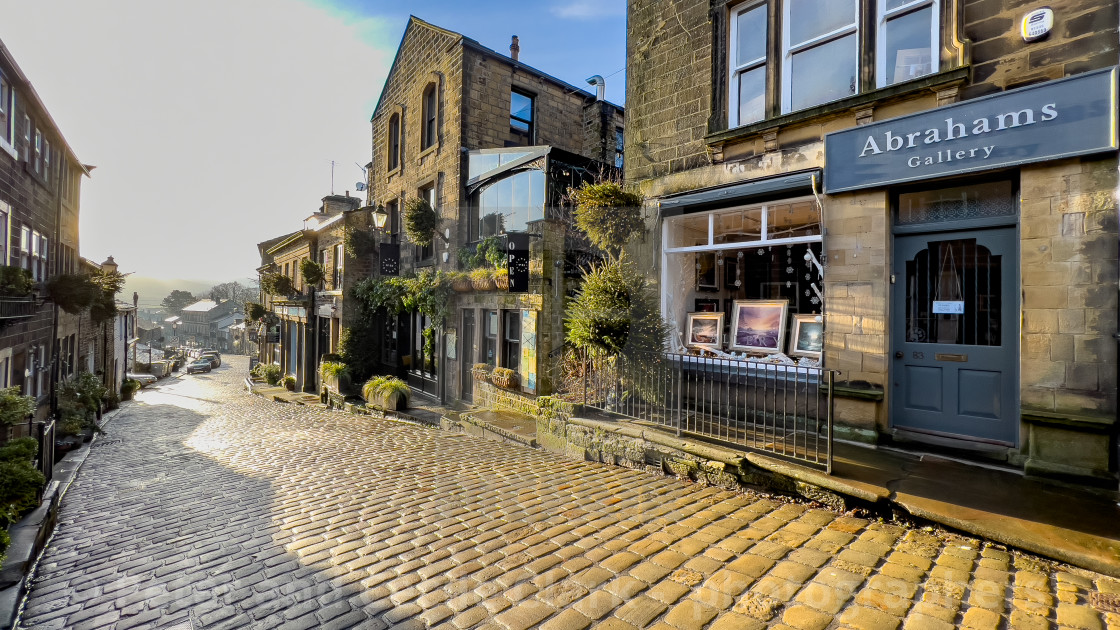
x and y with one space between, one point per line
208 507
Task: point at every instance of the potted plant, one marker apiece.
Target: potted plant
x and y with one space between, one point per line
270 372
313 273
290 383
336 377
421 221
460 281
482 279
481 371
128 388
501 278
504 378
15 281
387 392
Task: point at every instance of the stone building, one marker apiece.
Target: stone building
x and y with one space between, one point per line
40 179
492 144
933 181
307 323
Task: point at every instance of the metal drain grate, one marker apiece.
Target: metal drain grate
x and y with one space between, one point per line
1105 602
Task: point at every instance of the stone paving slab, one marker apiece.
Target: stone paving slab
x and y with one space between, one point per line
221 509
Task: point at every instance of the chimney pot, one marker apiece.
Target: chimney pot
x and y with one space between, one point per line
514 48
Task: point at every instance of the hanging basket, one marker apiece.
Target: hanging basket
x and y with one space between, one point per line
482 281
462 284
501 279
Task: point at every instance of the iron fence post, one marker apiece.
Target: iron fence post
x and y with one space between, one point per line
828 463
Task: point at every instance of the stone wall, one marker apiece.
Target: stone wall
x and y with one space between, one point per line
668 86
1069 276
490 396
1084 38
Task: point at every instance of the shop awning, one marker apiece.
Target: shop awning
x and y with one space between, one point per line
755 191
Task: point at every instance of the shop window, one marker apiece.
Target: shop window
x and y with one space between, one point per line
820 50
428 115
521 118
425 344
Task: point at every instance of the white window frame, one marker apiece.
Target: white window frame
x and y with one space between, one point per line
33 256
882 68
734 71
788 51
6 367
37 152
5 233
44 257
25 247
46 159
8 116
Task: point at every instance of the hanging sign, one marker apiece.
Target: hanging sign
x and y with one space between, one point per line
517 248
948 307
1048 121
390 254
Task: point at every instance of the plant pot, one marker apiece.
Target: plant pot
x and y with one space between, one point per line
481 284
505 382
462 285
290 386
480 375
501 281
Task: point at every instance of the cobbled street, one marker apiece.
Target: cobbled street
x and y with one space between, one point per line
207 507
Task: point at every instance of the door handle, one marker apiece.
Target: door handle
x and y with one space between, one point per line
898 355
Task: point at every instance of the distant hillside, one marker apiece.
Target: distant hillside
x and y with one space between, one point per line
153 290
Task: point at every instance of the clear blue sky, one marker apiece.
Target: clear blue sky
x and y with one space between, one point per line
213 123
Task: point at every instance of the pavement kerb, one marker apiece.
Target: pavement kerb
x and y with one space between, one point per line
32 534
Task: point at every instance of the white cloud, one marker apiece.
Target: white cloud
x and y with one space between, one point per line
212 123
589 9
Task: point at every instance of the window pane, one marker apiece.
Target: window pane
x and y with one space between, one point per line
752 95
823 73
813 18
521 106
688 231
738 226
751 40
909 46
894 4
793 219
509 204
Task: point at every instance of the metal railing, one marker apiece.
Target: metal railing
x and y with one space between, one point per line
779 409
16 307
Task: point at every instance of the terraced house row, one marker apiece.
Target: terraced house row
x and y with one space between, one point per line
41 345
903 208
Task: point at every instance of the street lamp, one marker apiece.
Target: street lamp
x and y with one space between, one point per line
380 216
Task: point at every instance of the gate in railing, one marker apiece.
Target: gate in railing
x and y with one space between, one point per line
779 409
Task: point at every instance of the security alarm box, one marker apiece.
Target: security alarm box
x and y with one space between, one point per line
1037 24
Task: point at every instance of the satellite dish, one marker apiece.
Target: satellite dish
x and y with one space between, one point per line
360 186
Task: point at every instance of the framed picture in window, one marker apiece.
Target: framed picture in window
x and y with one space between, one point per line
707 305
806 336
707 278
731 279
705 330
759 325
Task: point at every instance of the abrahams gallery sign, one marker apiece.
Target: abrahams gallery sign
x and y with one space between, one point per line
1048 121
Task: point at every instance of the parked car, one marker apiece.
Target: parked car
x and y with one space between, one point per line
214 358
201 365
145 379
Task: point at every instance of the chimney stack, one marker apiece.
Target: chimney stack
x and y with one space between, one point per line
514 48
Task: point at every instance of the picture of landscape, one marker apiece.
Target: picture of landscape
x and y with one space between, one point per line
705 329
759 325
